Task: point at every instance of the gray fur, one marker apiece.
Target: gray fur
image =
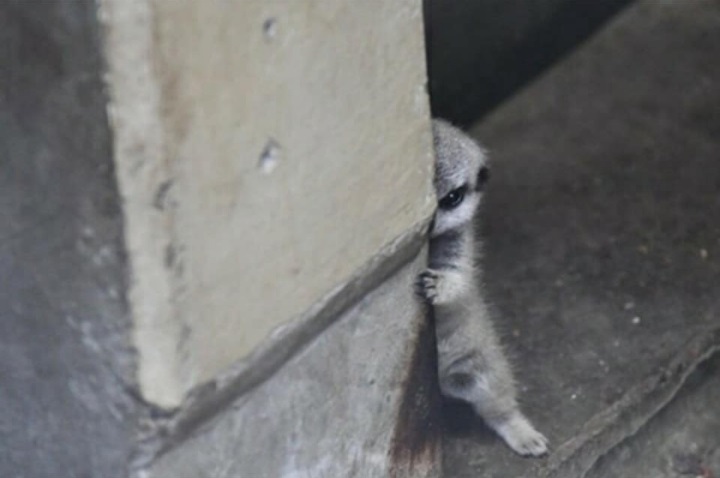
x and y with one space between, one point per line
446 250
472 365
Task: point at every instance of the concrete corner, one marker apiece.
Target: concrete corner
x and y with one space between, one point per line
360 400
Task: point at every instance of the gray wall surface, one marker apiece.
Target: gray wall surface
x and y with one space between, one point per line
65 370
225 244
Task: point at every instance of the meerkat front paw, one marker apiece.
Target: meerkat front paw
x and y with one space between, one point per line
440 287
426 285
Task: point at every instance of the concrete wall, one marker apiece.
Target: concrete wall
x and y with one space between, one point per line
66 367
265 151
360 401
212 213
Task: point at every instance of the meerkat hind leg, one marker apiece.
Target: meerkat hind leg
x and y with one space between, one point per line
499 411
520 435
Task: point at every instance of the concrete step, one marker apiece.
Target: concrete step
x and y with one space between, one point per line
602 226
681 440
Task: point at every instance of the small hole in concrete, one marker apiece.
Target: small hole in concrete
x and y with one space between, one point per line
170 256
270 156
160 201
270 28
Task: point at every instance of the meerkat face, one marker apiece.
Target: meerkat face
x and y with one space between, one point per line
460 175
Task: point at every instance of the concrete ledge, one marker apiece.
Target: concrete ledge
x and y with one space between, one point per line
361 399
170 429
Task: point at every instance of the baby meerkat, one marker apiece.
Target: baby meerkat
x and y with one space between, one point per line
471 362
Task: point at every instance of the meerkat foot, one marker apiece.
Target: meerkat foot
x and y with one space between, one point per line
522 437
440 287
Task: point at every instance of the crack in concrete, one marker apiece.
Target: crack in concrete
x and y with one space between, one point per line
622 420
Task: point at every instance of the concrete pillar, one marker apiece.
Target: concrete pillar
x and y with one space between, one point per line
212 214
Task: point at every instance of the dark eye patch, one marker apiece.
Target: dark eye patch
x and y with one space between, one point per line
453 199
482 178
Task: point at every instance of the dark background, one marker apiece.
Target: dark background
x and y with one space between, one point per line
481 51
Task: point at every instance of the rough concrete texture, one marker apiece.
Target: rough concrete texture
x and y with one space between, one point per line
482 51
248 137
65 366
682 440
82 199
603 244
360 400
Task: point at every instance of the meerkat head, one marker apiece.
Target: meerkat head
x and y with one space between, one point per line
460 174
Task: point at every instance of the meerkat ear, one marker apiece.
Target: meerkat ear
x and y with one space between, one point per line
482 178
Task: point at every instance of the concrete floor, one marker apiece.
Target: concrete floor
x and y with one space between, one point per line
681 440
602 226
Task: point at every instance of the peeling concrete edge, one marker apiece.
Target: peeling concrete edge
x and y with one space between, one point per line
206 401
623 419
141 169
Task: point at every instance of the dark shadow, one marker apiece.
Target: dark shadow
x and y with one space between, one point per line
461 421
480 52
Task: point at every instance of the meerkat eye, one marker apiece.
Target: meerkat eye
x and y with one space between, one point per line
453 198
482 178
